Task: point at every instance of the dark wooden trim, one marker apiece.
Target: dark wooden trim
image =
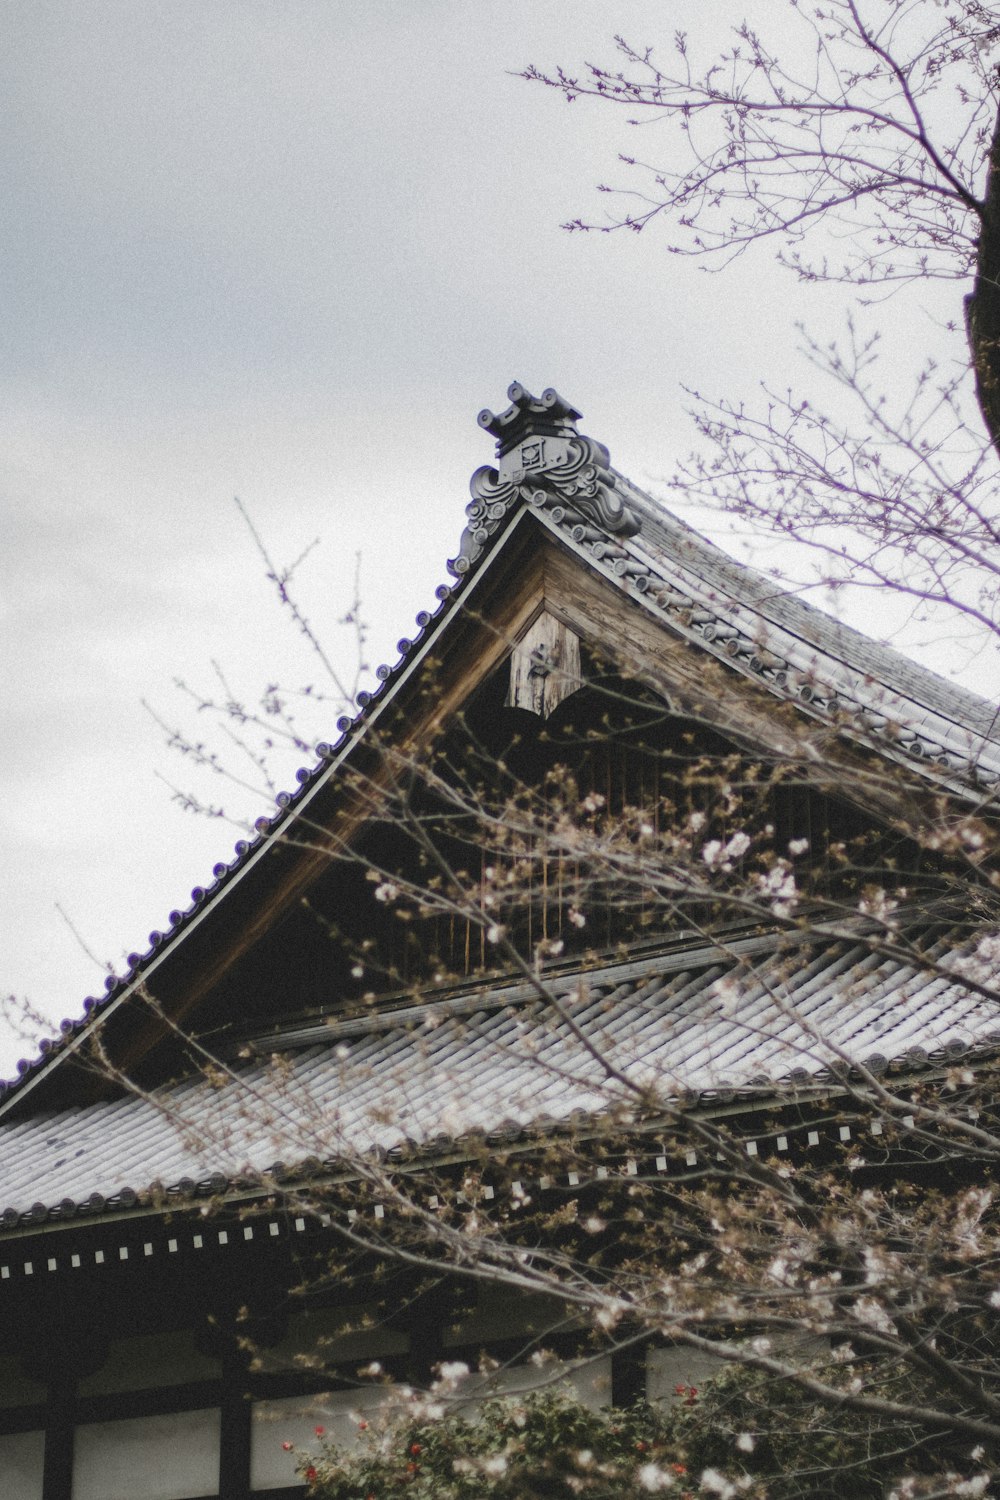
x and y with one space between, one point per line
60 1419
119 1406
628 1375
22 1419
235 1429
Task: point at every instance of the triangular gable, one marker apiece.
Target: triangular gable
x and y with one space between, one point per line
721 606
556 533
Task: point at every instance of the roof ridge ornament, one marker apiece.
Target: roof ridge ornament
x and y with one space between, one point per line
543 460
529 416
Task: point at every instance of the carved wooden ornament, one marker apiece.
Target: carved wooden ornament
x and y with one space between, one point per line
544 666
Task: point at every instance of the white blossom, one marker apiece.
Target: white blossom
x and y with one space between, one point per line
778 888
653 1479
973 1487
717 1484
719 856
988 948
727 992
429 1411
866 1310
875 903
610 1315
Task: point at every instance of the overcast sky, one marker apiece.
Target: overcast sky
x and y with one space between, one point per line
284 250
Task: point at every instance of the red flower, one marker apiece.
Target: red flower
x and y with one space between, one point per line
640 1446
678 1468
362 1425
287 1447
415 1449
311 1475
679 1390
320 1431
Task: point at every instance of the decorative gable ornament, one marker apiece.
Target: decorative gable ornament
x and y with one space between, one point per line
544 666
544 461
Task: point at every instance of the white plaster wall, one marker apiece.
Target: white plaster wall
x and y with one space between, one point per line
666 1369
21 1457
170 1457
295 1419
588 1383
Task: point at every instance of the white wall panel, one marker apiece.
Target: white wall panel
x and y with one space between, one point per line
295 1419
170 1457
21 1457
676 1365
589 1383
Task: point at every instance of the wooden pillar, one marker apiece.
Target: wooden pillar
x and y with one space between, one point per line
235 1425
57 1472
628 1374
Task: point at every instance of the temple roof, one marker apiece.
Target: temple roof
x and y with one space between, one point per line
550 475
750 1017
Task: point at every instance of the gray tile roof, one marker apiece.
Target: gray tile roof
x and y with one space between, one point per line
757 1016
823 645
725 608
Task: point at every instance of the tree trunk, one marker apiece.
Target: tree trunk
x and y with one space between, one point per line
983 306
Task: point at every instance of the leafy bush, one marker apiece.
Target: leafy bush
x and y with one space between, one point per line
741 1434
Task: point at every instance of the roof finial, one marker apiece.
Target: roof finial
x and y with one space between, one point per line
529 416
543 460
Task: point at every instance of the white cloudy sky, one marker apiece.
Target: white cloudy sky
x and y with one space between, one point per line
285 250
